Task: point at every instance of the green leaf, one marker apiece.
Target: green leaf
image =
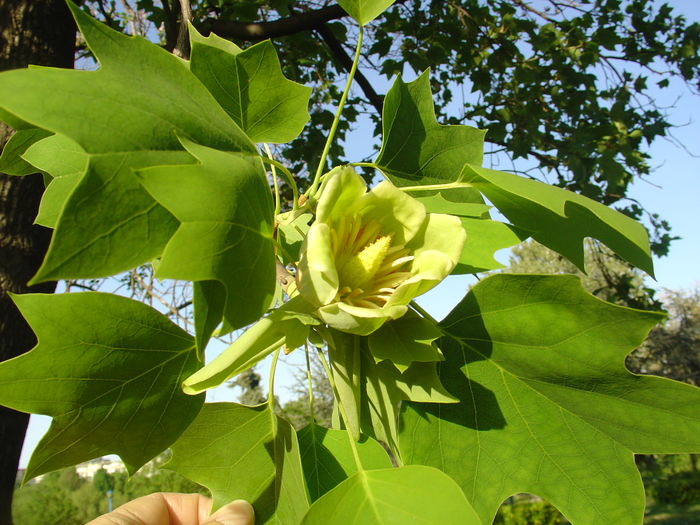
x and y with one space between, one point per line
256 343
484 238
251 87
413 494
241 452
328 460
125 115
11 161
416 150
560 219
66 162
437 202
364 11
344 360
225 235
546 404
386 387
404 341
108 370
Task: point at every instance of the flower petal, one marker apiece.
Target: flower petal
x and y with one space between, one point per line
341 195
318 277
443 233
396 211
358 320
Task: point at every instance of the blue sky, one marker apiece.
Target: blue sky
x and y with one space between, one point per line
672 191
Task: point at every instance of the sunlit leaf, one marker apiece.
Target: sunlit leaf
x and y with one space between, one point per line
328 459
546 404
11 161
125 115
250 86
560 219
108 370
241 452
225 234
416 150
364 11
413 494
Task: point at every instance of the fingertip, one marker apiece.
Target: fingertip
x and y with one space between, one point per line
238 512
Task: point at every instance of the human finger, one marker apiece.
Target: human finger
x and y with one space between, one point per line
238 512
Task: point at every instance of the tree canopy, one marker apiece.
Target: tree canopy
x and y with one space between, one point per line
566 89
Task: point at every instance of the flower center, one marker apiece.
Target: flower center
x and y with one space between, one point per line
363 266
369 266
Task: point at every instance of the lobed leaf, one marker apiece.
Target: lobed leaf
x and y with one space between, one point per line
328 460
560 219
413 494
241 452
225 212
416 150
251 87
108 370
109 223
546 404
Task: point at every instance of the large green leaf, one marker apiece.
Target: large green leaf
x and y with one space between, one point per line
397 496
364 11
225 235
250 86
241 452
416 150
560 219
67 162
108 370
546 404
328 459
124 115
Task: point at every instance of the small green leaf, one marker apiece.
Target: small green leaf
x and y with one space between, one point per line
386 387
405 341
256 343
225 234
484 238
327 457
560 219
251 87
397 496
108 370
11 161
109 223
344 358
364 11
241 452
546 404
416 150
66 162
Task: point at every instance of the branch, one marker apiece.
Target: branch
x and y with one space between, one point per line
182 49
262 30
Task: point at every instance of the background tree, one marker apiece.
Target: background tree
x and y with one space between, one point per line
297 409
31 32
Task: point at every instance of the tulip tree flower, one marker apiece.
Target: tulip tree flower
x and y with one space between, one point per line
369 253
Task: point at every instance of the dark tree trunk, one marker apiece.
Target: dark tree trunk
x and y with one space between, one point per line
31 32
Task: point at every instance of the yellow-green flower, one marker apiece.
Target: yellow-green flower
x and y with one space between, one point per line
369 253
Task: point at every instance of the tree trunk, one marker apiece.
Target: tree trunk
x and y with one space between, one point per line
31 32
